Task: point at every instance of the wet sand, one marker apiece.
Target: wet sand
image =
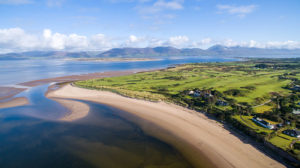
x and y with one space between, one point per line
7 100
77 109
77 77
201 140
19 101
8 92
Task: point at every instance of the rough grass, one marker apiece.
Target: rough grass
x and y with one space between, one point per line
282 141
262 109
247 120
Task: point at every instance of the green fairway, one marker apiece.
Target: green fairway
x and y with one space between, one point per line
255 85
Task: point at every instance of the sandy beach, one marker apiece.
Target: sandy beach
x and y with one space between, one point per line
201 140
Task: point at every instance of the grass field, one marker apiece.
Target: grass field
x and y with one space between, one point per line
282 141
262 109
255 84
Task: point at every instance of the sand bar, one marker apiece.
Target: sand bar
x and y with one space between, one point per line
197 137
19 101
78 77
77 109
8 92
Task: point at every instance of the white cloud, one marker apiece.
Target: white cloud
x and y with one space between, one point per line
15 2
240 11
178 41
133 39
100 42
55 3
206 41
160 6
283 44
17 40
59 41
289 44
174 5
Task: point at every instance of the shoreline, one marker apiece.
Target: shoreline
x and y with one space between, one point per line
208 142
72 78
7 94
114 59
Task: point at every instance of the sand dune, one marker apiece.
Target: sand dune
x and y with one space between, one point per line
201 140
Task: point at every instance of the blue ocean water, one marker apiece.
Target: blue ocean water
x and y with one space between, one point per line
18 71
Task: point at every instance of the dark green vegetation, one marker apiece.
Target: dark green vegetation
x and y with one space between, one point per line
233 92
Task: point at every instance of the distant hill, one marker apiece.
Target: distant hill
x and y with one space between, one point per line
217 50
252 52
151 52
45 55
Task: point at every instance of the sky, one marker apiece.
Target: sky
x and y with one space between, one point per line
97 25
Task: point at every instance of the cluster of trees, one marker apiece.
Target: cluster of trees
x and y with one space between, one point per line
235 92
284 110
279 65
209 100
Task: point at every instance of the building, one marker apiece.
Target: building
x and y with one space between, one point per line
191 92
296 111
196 93
221 103
200 93
296 88
263 123
292 133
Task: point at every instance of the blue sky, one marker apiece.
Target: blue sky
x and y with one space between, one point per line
103 24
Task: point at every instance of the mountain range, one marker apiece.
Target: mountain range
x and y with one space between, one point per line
217 51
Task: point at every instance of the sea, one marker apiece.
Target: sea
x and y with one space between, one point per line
32 136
